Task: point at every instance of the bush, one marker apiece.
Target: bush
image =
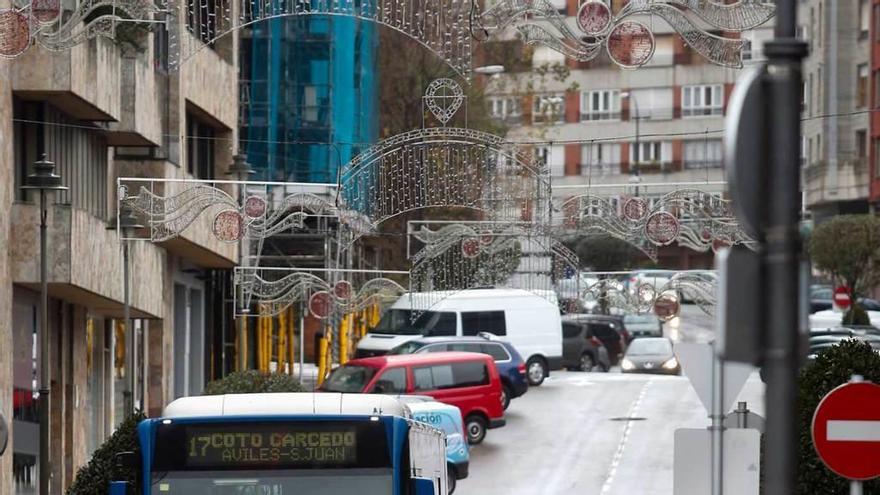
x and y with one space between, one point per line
253 382
831 369
94 478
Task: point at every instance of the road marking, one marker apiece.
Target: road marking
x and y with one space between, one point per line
621 447
853 431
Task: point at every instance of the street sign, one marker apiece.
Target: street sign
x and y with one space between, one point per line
846 430
740 310
692 462
842 298
697 362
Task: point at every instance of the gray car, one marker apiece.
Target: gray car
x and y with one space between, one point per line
647 325
650 355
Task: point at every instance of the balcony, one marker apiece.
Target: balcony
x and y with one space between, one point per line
848 181
142 96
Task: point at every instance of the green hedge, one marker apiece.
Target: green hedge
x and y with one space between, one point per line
253 382
831 369
94 478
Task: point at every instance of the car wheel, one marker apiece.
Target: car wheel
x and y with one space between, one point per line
586 363
536 370
505 397
450 479
476 429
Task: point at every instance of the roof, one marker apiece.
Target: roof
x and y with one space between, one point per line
428 358
450 338
279 404
548 296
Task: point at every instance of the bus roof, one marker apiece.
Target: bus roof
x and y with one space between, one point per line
281 404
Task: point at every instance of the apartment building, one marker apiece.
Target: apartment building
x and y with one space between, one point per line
105 109
599 125
838 96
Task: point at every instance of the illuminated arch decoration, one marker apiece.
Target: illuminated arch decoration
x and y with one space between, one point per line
443 167
40 22
624 36
697 287
687 217
168 207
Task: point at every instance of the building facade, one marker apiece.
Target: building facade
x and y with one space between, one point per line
101 110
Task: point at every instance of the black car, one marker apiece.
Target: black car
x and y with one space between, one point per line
608 329
823 339
651 355
581 349
509 362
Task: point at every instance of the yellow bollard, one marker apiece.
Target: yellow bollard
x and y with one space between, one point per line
291 339
281 351
322 360
343 340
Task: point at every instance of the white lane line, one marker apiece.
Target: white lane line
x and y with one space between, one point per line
853 431
621 447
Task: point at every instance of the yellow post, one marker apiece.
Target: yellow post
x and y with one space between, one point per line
322 360
281 348
343 340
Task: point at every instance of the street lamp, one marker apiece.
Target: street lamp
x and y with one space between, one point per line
46 181
241 170
127 223
634 170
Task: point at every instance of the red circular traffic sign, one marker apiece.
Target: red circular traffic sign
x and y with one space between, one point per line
841 297
846 430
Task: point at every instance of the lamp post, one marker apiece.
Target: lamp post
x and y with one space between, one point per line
46 181
637 152
127 224
241 170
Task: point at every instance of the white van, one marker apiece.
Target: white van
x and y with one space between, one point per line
528 321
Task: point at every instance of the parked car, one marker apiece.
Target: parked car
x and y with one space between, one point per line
608 329
651 355
511 365
466 380
645 325
581 349
446 418
529 321
823 339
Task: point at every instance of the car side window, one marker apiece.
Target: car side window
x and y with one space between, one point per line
474 322
433 377
470 374
570 330
602 330
444 326
436 348
391 381
465 347
497 351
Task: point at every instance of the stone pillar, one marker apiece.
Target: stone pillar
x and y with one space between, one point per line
7 180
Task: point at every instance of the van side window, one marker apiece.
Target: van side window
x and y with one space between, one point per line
474 322
434 377
443 325
392 381
470 374
603 331
570 330
497 351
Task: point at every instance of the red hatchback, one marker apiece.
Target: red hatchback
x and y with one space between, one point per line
466 380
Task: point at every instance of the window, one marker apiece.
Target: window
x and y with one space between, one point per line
703 153
862 86
864 18
702 100
652 152
862 144
474 322
441 324
497 351
600 158
465 347
505 108
392 381
435 377
603 331
548 109
570 331
434 348
553 157
470 374
651 104
603 104
201 19
199 148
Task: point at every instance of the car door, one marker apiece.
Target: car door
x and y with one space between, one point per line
572 343
391 381
609 337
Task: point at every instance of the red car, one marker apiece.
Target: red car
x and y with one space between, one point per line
467 380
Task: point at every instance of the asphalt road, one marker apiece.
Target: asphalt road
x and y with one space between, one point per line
596 433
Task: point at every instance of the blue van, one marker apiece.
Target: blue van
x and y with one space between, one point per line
448 419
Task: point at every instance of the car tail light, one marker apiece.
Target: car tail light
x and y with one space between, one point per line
521 368
596 342
625 335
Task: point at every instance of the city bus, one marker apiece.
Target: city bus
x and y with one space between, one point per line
287 444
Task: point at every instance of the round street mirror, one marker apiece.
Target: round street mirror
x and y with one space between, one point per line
4 434
667 305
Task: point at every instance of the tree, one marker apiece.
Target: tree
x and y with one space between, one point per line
847 247
831 369
94 478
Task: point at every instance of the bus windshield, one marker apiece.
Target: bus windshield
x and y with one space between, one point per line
400 322
274 457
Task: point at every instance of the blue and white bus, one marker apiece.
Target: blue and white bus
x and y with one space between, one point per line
288 444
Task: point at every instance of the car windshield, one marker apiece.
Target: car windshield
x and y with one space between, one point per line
365 481
640 347
349 379
401 322
631 319
407 348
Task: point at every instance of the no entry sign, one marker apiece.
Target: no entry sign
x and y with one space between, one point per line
846 430
842 298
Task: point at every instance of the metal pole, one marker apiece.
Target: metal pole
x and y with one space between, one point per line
717 425
128 331
302 344
45 469
783 249
856 488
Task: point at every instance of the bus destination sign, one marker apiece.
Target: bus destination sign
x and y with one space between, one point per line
273 446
